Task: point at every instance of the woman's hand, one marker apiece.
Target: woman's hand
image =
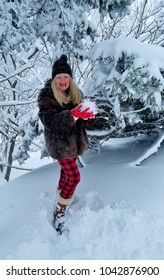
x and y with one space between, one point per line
87 113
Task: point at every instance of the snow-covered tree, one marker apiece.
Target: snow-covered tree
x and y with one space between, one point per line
145 22
18 122
107 7
62 23
16 31
127 82
32 35
65 24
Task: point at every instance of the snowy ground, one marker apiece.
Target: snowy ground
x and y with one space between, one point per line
118 212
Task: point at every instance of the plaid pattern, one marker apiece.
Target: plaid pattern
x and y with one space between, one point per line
69 177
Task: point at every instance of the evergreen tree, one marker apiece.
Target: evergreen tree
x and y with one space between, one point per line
127 82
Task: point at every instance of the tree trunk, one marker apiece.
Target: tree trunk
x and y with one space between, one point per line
10 159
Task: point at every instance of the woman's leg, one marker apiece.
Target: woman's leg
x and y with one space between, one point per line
70 177
62 179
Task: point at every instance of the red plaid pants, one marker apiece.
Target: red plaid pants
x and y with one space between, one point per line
69 177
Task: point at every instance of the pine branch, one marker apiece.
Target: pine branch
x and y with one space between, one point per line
98 135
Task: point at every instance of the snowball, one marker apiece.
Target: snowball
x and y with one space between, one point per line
88 103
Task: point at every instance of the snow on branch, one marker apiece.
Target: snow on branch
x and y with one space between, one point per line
100 134
22 69
150 151
81 161
15 103
16 167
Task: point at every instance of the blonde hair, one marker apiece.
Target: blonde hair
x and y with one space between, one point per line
75 95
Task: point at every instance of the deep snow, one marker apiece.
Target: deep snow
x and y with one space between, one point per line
118 211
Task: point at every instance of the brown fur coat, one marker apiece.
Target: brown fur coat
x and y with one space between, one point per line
64 137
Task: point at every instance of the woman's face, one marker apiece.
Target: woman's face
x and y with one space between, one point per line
62 81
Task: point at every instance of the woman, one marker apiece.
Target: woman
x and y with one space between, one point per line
60 111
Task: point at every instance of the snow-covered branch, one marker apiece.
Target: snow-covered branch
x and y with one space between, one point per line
16 167
151 150
81 161
15 103
18 72
100 134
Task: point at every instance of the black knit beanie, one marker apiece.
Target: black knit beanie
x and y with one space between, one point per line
61 66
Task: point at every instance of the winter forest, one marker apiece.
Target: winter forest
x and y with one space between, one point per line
115 48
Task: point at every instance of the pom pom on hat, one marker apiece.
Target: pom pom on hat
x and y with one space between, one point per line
63 57
61 66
